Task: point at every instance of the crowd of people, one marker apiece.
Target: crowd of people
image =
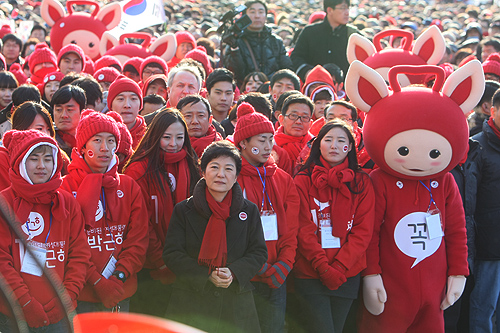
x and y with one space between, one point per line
228 185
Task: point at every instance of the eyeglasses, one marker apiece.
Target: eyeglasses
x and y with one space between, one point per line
342 7
148 72
341 118
294 117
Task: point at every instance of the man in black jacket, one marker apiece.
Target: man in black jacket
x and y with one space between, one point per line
258 49
324 42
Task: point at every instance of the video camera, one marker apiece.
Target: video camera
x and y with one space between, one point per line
232 29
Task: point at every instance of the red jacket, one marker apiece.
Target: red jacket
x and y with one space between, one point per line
67 253
285 201
352 251
128 222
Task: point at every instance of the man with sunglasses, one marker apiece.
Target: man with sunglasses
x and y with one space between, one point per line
326 41
295 120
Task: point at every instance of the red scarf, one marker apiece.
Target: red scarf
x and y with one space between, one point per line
68 138
199 144
331 183
251 185
213 251
176 164
292 144
137 131
494 127
27 195
91 184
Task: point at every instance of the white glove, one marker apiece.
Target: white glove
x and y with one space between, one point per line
456 285
374 295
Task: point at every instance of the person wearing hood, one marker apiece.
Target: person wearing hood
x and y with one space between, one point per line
52 229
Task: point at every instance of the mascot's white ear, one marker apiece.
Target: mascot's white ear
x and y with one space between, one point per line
359 48
164 47
108 41
51 11
110 15
465 86
430 46
364 86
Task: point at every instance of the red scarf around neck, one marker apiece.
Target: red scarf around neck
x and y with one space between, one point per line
137 131
292 144
199 144
68 138
176 164
90 186
494 127
213 251
331 183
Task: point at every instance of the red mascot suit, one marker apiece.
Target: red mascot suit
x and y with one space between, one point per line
417 259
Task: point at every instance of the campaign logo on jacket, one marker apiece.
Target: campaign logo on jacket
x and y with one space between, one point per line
99 213
34 225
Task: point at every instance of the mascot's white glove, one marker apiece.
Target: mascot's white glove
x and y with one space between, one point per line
374 295
456 285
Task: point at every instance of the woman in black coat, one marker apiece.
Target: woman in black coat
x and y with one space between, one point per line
215 246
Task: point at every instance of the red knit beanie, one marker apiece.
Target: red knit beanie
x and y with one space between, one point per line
93 122
185 37
54 76
492 64
200 54
125 146
134 62
4 30
107 61
71 48
89 66
121 84
156 60
250 123
42 54
16 69
20 143
106 74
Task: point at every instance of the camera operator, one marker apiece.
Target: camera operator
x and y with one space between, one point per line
257 48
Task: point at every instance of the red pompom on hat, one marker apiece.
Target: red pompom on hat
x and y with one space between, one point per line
20 143
71 48
4 30
134 62
42 54
106 74
492 64
200 54
185 37
156 60
121 84
317 16
93 122
17 70
107 61
250 123
89 67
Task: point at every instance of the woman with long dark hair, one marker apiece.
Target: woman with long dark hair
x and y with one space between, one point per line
165 167
335 227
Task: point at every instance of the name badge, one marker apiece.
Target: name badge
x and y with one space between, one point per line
434 228
328 241
30 261
269 225
109 268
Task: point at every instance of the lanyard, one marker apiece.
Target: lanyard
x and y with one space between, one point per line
103 200
264 193
432 199
50 225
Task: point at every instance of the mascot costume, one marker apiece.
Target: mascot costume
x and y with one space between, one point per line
417 259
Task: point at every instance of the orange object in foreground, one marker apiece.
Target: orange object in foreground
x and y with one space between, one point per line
106 322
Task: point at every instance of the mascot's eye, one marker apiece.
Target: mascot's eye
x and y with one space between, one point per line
434 153
403 151
91 44
73 42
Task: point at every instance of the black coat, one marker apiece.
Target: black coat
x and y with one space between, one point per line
268 50
319 44
195 300
488 193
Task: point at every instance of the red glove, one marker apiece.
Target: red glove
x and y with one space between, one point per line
34 314
54 310
109 291
332 276
276 275
163 274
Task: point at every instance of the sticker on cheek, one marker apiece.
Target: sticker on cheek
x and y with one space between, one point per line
248 89
90 153
345 148
255 150
275 96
